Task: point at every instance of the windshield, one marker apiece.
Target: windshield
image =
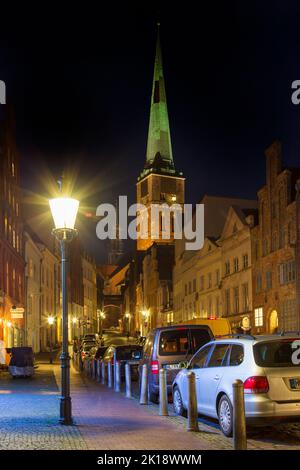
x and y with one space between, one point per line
276 353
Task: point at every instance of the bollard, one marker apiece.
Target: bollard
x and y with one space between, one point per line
239 420
98 370
128 380
114 362
192 403
117 376
103 373
109 375
163 394
144 386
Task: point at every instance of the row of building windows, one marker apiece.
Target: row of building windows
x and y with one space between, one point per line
212 279
236 265
232 299
285 237
11 280
286 274
209 308
12 235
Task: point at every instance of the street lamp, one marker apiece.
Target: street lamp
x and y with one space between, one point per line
50 321
64 211
100 317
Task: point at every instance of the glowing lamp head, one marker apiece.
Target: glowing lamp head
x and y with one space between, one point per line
8 324
64 211
50 320
145 313
127 315
74 320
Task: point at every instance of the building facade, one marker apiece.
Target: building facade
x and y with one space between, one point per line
33 309
12 262
273 247
216 280
236 273
89 292
156 283
50 300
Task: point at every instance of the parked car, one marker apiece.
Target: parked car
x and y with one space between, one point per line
98 352
21 362
124 353
169 347
85 350
263 363
90 337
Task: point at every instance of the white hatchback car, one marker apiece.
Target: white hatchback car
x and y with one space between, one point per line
263 363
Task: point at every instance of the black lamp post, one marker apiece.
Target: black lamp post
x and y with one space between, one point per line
50 322
64 212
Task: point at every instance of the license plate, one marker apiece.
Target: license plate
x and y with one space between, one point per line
295 384
172 366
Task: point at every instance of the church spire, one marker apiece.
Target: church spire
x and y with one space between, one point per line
159 155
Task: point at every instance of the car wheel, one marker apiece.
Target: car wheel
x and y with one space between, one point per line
225 414
178 403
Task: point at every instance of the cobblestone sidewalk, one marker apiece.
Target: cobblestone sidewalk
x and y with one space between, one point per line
106 420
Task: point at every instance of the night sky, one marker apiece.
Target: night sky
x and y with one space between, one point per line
80 81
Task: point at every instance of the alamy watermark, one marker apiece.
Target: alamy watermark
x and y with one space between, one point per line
157 221
2 92
296 353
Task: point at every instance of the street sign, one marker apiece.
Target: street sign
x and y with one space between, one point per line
16 315
17 310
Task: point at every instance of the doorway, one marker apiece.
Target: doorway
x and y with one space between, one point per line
273 322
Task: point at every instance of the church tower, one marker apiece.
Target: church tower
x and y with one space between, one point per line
159 182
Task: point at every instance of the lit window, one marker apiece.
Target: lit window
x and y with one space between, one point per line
258 317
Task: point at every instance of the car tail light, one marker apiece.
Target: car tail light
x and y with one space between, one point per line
257 384
154 367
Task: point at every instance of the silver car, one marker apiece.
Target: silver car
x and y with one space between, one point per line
263 363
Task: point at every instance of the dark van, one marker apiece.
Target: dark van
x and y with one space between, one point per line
167 347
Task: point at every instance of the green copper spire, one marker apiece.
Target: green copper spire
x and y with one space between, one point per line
159 148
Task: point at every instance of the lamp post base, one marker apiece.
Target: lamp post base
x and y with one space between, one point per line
66 411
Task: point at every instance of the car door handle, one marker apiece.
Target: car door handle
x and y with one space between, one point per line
217 377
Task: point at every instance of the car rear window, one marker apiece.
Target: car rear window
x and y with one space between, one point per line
274 353
126 354
173 343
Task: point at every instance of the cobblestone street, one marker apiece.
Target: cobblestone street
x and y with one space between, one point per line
106 420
